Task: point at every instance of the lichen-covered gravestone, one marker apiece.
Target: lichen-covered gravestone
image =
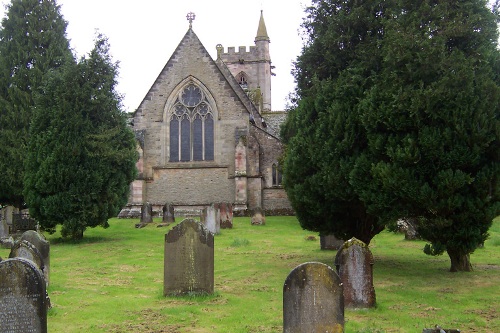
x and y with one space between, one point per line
43 246
22 297
258 216
354 262
189 259
313 300
168 213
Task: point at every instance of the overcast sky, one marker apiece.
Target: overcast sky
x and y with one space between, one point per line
143 35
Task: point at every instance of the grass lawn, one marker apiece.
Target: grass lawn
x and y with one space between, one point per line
112 281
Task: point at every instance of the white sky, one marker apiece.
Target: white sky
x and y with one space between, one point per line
143 35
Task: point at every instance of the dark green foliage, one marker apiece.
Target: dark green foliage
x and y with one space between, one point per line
81 157
398 116
32 42
324 135
433 121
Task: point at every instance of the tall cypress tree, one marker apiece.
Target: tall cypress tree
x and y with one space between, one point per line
32 42
81 157
432 119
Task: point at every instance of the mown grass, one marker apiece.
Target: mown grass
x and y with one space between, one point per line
112 281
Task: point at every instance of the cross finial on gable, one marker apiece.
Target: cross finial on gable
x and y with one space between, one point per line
190 17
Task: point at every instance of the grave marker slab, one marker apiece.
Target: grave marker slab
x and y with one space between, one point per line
354 262
147 213
330 242
168 213
313 300
210 218
26 250
43 246
258 216
22 297
189 259
226 215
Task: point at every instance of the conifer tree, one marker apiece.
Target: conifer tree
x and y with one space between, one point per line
323 133
32 42
82 154
432 119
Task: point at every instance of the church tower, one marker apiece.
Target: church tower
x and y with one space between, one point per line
252 69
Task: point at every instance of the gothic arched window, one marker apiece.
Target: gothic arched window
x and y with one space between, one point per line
191 127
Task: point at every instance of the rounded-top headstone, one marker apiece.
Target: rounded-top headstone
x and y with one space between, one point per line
43 246
22 297
354 263
26 250
313 300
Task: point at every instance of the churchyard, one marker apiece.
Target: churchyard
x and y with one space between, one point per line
112 281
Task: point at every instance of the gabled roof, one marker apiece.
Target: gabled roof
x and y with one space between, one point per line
191 38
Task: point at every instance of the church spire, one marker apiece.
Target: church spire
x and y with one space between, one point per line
262 31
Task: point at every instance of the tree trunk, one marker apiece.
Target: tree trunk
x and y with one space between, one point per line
460 262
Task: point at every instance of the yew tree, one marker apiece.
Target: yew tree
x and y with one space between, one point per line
82 154
32 42
432 118
324 135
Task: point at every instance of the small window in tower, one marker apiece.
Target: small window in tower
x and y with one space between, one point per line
242 80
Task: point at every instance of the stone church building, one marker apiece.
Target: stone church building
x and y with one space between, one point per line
207 134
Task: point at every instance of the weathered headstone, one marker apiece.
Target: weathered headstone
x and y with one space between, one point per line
409 227
226 215
354 262
330 242
4 228
26 250
168 213
189 259
23 305
258 216
43 246
210 219
313 300
147 213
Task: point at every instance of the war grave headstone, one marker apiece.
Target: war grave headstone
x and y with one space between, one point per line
210 218
23 306
330 242
43 247
354 263
313 300
226 215
168 213
258 216
189 259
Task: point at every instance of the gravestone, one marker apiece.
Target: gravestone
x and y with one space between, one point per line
210 218
354 263
26 250
330 242
226 215
409 227
23 306
168 214
4 228
313 300
258 216
43 246
189 259
147 213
